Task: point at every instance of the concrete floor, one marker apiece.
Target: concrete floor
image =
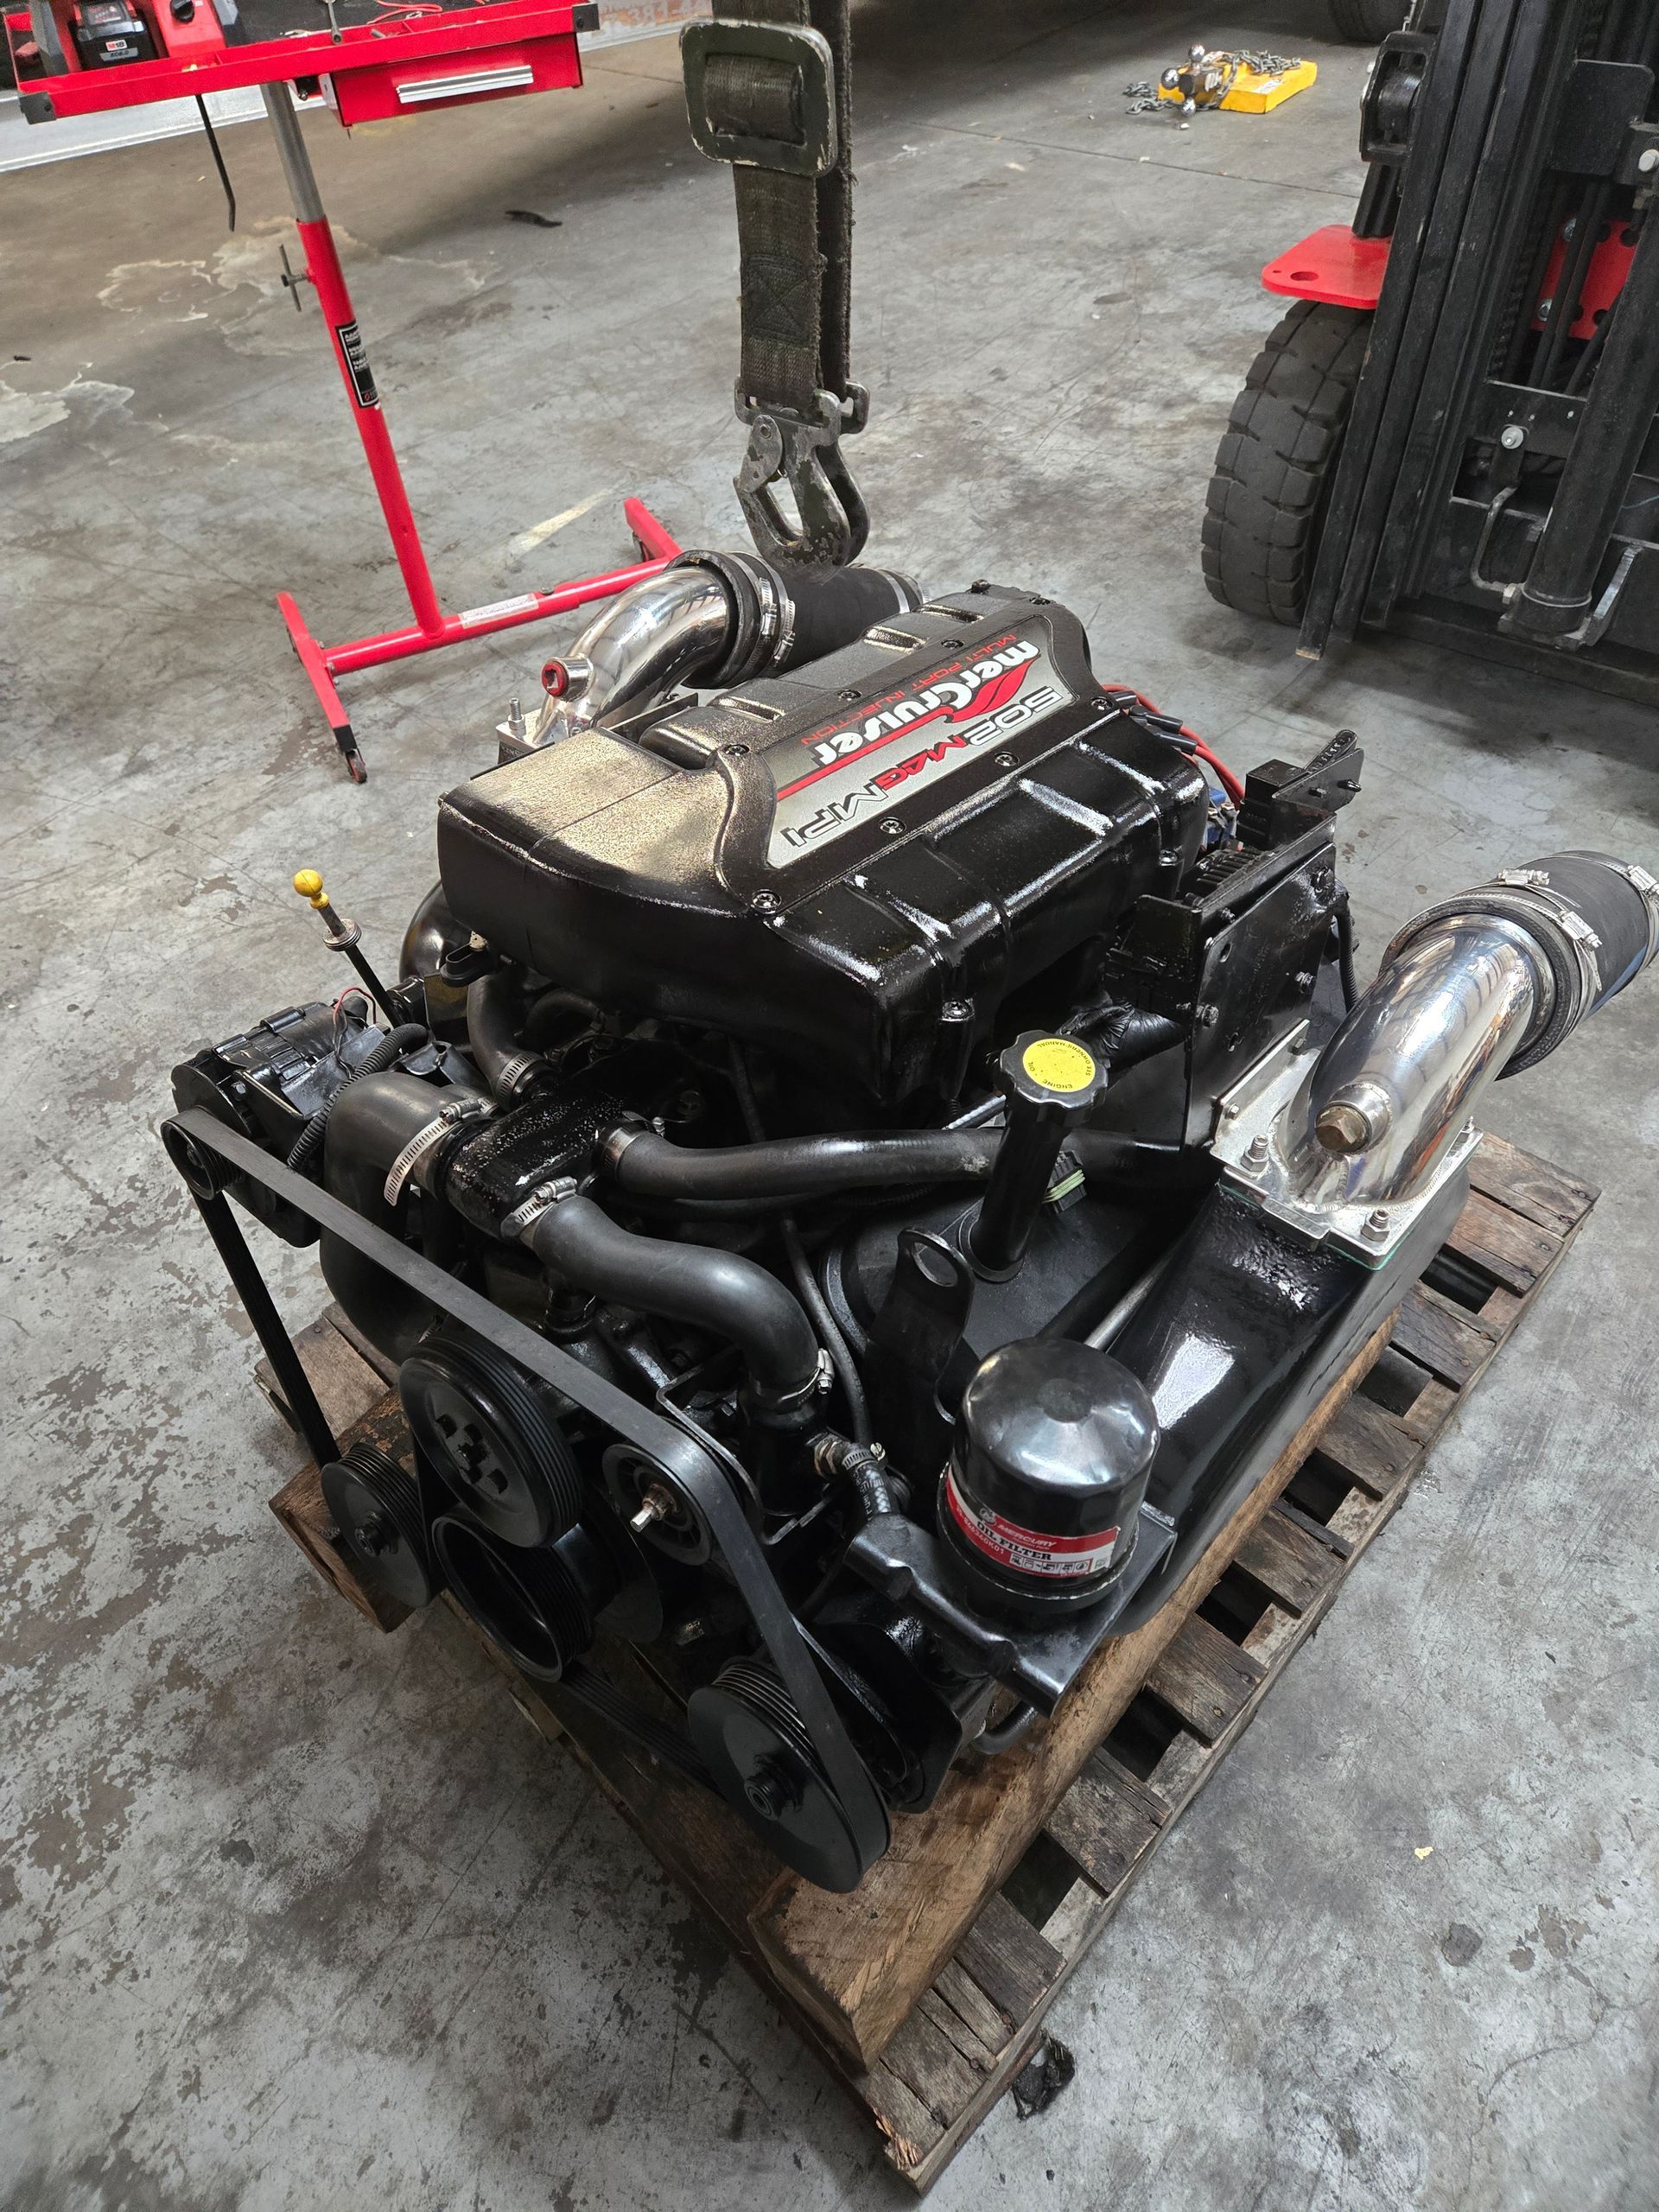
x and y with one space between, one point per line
298 1917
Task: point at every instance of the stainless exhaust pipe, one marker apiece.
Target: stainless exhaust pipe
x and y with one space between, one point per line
639 645
1480 986
721 618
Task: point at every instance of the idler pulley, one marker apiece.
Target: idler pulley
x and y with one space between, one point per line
377 1509
755 1745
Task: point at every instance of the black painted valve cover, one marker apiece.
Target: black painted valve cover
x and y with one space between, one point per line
853 864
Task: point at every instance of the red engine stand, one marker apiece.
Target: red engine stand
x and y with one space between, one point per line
431 627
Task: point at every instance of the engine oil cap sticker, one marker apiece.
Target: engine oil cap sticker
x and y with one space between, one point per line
1058 1064
839 774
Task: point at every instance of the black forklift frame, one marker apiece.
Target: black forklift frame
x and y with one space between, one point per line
1526 119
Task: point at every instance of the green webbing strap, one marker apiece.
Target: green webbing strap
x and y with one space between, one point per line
768 90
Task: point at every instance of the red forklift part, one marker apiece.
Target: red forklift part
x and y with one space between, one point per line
1331 264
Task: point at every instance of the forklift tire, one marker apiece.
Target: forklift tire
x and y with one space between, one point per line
1367 21
1274 465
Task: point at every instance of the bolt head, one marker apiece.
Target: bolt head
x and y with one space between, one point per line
892 827
1343 1127
764 902
373 1535
1648 162
1512 437
1377 1224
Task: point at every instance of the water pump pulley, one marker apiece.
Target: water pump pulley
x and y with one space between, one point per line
486 1429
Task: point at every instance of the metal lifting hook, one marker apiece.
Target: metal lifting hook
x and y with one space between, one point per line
804 454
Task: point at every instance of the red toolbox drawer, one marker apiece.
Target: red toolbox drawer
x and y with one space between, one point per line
532 65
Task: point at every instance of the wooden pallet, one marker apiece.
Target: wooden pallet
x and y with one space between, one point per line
924 1991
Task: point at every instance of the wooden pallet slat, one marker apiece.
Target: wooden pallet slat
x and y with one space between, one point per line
1293 1560
929 1986
1204 1679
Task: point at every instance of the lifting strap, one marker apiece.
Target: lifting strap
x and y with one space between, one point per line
768 90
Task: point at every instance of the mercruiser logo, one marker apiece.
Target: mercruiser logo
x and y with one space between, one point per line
967 707
978 689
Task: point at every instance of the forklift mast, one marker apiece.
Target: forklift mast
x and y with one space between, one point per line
1456 437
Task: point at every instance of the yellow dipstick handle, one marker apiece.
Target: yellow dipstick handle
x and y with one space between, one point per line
343 935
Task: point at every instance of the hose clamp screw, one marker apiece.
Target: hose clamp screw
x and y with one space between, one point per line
524 1216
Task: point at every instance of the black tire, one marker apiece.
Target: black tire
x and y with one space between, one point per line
1365 22
1274 464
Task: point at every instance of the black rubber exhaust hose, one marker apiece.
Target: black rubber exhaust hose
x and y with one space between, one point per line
830 610
493 1022
373 1119
1623 921
729 1296
652 1167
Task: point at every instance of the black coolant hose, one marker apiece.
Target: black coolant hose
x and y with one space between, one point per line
647 1165
872 1482
1124 1035
376 1061
507 1066
800 1266
728 1296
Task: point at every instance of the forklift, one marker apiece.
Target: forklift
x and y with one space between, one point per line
1451 432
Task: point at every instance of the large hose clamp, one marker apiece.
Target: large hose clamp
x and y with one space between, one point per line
1646 888
426 1140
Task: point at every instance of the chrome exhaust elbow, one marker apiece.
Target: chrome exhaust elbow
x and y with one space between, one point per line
1479 987
639 646
722 618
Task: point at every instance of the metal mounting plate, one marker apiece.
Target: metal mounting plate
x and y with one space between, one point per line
1247 1143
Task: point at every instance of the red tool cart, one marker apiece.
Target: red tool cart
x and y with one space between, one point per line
368 58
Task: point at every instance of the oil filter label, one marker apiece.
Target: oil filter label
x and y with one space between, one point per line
850 771
1028 1551
355 354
